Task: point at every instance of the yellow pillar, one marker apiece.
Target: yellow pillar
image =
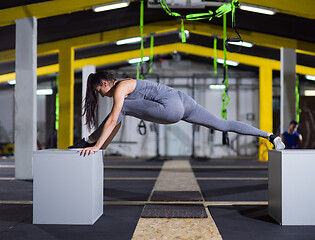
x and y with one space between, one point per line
66 93
265 109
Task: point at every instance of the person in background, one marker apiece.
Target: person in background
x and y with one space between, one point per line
291 138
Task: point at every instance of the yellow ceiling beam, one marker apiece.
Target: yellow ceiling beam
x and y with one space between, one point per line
94 39
163 27
41 71
256 38
241 58
46 9
301 8
124 56
166 49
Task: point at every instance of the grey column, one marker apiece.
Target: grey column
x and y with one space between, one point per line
86 70
287 86
25 96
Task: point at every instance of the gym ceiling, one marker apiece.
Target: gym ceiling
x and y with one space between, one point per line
93 35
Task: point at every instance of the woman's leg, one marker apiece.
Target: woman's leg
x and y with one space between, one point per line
97 133
111 136
166 111
199 115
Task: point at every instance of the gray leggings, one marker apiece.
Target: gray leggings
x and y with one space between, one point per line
174 106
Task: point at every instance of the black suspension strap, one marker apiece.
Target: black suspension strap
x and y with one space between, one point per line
231 42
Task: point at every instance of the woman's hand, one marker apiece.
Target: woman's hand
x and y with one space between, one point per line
89 150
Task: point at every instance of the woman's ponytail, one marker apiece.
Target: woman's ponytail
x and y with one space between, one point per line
90 102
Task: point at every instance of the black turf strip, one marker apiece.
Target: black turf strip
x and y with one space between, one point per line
174 211
253 222
7 172
16 190
252 172
132 190
116 223
229 163
176 196
133 163
129 172
6 162
240 190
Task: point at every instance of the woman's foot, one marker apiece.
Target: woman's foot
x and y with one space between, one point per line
81 144
276 141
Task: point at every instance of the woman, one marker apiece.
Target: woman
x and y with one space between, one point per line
151 102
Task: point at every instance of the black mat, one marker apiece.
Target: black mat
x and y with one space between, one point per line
174 211
176 196
230 172
253 222
6 162
240 190
117 223
131 190
133 163
131 172
16 190
229 163
7 172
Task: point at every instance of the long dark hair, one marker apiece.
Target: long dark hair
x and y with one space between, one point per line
90 102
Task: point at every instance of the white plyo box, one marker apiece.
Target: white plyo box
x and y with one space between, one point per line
67 187
291 185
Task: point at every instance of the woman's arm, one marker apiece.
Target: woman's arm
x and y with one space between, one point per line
119 96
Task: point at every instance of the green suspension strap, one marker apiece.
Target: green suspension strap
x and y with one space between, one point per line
215 64
142 129
138 71
151 53
298 109
183 31
140 64
225 98
222 10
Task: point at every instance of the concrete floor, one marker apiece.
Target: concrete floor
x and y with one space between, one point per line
234 196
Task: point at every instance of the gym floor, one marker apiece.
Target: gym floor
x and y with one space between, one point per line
215 199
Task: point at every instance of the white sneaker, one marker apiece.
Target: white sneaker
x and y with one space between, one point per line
277 142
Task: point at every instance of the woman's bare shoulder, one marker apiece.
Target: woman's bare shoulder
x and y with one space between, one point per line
126 86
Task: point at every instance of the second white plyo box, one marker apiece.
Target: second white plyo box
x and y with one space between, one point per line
291 194
67 187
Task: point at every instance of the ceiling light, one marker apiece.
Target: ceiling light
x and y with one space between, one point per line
258 9
310 77
136 60
228 62
44 92
309 92
129 41
243 44
110 6
217 86
12 82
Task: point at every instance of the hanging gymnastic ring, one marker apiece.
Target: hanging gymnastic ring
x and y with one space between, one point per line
142 128
233 40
